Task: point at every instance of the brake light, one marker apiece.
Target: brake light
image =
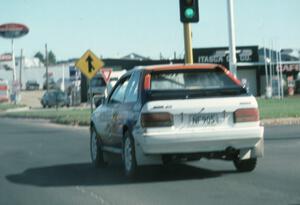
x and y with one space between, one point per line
147 82
161 119
246 115
233 78
230 75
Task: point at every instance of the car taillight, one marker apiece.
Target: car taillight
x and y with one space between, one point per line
233 78
246 115
230 75
147 82
161 119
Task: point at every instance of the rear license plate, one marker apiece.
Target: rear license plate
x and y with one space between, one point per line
206 119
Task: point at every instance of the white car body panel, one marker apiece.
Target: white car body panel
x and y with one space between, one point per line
184 137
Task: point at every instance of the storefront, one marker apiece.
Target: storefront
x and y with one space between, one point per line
247 55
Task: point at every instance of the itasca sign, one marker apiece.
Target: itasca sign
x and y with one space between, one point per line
245 54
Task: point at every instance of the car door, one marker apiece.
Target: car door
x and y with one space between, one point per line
127 110
112 109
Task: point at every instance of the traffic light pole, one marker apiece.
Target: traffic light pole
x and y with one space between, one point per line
188 43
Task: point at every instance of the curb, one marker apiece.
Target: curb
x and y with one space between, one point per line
281 121
17 109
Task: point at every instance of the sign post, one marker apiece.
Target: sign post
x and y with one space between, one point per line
89 64
188 43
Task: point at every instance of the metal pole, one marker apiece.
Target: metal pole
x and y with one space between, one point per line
278 79
13 60
21 65
280 65
63 78
272 64
232 45
266 66
188 43
91 96
14 85
46 64
270 57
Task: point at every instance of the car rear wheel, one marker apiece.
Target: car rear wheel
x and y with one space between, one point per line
247 165
129 160
96 150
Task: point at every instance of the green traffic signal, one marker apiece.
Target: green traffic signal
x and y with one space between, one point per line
189 13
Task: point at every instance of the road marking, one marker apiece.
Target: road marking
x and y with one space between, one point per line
92 194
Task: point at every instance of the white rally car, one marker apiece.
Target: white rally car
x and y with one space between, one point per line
175 113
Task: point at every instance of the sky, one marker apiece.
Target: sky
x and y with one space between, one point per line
115 28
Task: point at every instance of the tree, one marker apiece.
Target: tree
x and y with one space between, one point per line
40 56
51 58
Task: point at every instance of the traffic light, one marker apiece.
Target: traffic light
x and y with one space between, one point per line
189 11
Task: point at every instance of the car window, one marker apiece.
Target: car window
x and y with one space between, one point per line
190 80
119 93
132 90
60 95
175 84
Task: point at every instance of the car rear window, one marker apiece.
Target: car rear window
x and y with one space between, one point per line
190 80
194 83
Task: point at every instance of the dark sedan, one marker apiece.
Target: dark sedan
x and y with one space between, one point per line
55 98
32 85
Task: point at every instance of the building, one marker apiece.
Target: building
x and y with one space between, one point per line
253 63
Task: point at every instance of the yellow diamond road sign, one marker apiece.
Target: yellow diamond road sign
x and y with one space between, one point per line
89 64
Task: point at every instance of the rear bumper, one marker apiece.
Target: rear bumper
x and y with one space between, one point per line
211 140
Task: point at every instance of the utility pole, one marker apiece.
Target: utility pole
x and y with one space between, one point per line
21 65
46 64
266 65
232 44
280 73
13 61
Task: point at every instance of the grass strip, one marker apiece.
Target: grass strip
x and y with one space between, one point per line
7 106
275 108
269 109
61 116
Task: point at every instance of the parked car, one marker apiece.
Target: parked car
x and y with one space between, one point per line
98 86
174 113
55 98
66 85
51 84
32 85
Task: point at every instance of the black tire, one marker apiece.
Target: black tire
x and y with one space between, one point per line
96 150
247 165
128 156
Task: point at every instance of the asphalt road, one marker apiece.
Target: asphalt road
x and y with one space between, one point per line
50 164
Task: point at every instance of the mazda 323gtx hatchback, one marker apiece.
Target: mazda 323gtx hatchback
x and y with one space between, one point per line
174 113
